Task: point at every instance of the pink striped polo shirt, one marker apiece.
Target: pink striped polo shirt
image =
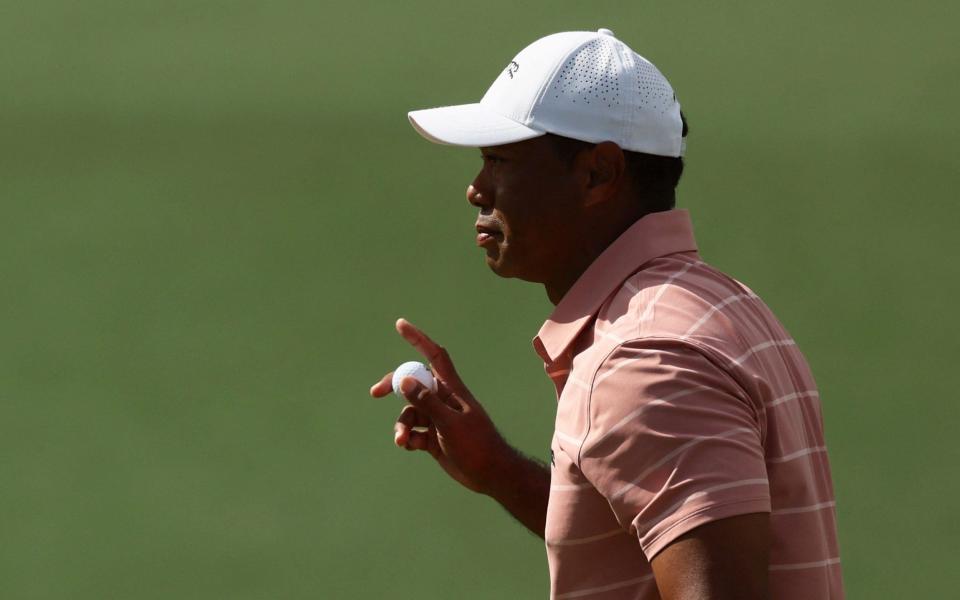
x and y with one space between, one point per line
681 400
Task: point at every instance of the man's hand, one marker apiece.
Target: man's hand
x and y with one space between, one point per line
450 424
457 432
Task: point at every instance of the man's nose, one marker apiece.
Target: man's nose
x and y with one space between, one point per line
476 197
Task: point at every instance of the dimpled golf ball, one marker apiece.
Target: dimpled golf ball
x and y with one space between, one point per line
414 369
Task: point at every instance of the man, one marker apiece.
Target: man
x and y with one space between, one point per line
688 459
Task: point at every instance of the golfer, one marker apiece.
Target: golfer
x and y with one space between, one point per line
688 458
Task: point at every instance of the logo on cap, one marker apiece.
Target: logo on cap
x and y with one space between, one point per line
512 68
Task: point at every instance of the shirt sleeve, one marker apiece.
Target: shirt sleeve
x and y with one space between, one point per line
674 443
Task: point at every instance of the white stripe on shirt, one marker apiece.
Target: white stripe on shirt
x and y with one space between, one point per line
803 509
773 343
809 565
713 309
797 454
793 396
663 288
723 486
670 455
586 540
604 588
634 414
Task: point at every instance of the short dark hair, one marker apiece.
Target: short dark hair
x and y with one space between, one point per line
656 177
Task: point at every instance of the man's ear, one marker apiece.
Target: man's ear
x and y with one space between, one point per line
606 166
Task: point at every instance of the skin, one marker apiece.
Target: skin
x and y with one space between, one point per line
555 218
549 220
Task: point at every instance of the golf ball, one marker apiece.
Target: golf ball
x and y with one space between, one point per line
414 369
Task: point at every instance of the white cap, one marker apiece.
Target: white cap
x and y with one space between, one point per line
577 84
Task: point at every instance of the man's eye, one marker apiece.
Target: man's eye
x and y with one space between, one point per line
492 159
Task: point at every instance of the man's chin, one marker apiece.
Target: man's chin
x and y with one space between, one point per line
494 264
508 271
497 265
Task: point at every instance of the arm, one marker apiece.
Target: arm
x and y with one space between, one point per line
452 426
725 559
522 487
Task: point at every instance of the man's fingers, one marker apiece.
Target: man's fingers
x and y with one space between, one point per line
410 417
425 400
437 356
410 429
382 387
404 425
418 440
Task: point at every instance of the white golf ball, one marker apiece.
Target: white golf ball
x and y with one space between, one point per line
414 369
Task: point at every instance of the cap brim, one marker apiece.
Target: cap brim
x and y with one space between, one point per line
470 125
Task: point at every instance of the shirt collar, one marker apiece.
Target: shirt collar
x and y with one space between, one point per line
655 235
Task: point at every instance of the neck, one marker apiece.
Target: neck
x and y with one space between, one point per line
598 239
557 289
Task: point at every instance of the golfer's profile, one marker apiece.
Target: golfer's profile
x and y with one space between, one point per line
688 457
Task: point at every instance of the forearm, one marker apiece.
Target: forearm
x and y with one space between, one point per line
522 486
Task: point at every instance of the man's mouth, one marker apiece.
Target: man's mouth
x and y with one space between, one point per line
487 234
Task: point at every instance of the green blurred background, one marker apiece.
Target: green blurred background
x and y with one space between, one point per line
213 211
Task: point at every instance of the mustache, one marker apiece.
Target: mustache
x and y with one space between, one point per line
491 222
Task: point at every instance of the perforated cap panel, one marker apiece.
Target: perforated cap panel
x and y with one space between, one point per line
589 76
653 92
604 91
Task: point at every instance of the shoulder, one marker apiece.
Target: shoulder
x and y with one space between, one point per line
680 297
669 297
